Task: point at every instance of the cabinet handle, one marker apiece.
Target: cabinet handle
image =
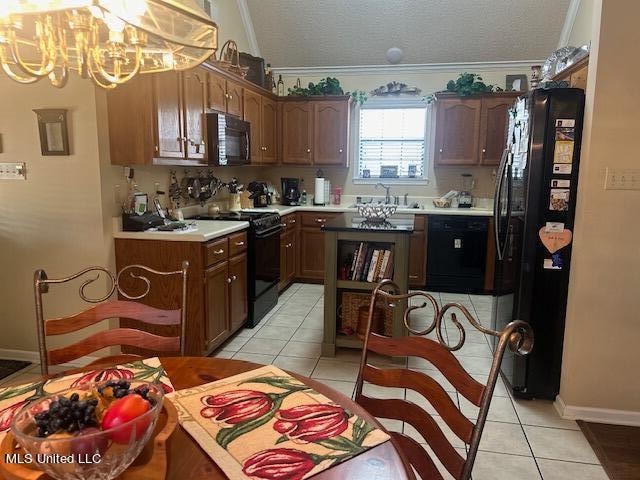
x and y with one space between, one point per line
292 221
218 252
233 278
340 151
226 95
229 280
484 150
413 276
289 245
440 150
283 225
239 244
308 150
265 149
156 148
321 220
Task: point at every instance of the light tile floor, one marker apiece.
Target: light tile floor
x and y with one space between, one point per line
522 440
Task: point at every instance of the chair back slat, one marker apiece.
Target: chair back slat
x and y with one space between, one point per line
113 337
431 390
416 457
517 336
410 413
112 309
436 354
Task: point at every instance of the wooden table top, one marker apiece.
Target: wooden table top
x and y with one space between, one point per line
188 461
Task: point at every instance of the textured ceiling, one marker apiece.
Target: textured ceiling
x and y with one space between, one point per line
305 33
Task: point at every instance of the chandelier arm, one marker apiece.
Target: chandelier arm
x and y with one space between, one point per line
47 64
18 78
116 79
61 81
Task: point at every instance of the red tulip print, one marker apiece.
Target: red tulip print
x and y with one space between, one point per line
311 423
278 464
236 406
6 414
103 375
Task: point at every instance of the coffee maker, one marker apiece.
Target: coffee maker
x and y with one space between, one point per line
290 191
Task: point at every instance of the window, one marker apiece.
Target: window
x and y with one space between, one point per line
391 141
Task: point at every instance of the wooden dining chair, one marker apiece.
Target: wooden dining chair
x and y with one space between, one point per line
517 335
106 307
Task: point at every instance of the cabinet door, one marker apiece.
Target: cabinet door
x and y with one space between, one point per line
493 128
194 104
132 138
418 263
269 131
168 94
331 133
216 304
312 253
234 99
457 131
217 94
284 249
297 133
292 254
238 296
252 114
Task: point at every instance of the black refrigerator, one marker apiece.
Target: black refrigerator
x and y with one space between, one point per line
534 206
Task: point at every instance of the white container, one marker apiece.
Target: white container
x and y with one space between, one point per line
318 196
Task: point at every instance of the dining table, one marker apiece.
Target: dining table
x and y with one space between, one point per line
186 460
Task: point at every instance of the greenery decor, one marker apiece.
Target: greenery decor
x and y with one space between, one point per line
359 96
326 86
470 84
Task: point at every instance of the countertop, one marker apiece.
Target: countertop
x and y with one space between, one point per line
427 210
200 231
354 223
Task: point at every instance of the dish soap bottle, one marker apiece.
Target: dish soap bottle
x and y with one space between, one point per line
303 198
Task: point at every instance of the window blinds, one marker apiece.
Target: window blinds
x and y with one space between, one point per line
392 136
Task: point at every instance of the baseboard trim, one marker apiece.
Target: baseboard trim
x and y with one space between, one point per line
596 415
34 357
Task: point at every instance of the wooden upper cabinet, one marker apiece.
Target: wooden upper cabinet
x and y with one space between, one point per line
132 135
493 129
168 101
217 93
331 133
194 107
252 114
457 122
269 128
297 133
234 99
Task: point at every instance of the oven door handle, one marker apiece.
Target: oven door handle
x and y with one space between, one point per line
269 232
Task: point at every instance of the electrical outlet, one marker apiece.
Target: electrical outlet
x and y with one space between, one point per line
13 171
622 179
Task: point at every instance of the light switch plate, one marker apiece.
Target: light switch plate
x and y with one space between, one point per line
622 179
13 171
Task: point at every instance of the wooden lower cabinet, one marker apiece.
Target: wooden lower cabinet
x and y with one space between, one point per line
216 304
217 297
418 253
238 294
311 245
288 255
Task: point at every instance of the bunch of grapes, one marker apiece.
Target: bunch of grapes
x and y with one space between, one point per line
69 414
122 388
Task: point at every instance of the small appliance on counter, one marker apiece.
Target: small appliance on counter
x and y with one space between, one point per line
260 194
465 199
290 191
132 222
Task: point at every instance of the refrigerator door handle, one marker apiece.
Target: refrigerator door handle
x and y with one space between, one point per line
509 228
496 203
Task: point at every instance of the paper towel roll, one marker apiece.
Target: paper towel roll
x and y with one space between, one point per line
318 198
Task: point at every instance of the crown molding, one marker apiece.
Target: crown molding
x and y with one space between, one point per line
569 20
245 15
408 69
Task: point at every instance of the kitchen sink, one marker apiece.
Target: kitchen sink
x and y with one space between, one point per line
412 206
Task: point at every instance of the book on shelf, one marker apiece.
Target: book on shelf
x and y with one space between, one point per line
371 262
388 273
362 276
383 265
354 262
373 265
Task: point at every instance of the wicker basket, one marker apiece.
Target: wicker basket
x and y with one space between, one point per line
230 59
350 307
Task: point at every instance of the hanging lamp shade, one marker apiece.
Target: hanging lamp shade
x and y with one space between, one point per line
109 41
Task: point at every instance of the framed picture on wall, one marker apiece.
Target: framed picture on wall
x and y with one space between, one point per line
52 127
517 83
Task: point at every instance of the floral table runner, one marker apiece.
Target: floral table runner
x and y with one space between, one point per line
265 424
13 398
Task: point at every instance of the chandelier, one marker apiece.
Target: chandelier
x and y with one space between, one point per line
109 41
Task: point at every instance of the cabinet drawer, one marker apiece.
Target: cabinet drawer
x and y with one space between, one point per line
237 243
420 223
289 223
312 219
216 251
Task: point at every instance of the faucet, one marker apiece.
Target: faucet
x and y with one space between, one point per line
406 201
387 197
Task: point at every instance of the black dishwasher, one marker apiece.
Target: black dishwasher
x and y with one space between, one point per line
456 253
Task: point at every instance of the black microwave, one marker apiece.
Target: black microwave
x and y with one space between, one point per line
228 140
